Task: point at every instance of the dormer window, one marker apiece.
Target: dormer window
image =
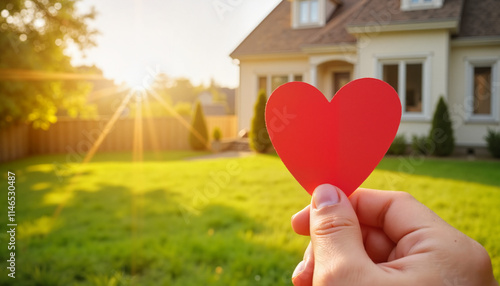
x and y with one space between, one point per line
409 5
312 13
308 12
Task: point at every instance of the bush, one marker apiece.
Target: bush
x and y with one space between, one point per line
198 135
441 133
183 108
493 140
259 137
217 134
398 146
421 144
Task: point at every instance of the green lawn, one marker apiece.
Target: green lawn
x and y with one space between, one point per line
169 221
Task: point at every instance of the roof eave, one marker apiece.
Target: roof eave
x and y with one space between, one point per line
330 48
475 41
270 55
368 28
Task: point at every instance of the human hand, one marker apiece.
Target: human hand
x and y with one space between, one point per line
384 238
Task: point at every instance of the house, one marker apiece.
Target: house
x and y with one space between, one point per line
423 48
218 101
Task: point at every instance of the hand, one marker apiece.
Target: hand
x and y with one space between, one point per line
384 238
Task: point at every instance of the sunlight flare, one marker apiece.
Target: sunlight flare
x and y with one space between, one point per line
35 75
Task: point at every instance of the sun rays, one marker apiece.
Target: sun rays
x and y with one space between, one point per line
139 99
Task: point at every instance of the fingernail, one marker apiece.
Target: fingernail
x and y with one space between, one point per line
300 267
325 195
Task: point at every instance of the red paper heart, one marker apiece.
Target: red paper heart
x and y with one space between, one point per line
338 142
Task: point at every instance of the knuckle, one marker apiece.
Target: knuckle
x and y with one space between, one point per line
481 257
326 226
404 196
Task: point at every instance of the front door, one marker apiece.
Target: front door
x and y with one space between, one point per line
339 80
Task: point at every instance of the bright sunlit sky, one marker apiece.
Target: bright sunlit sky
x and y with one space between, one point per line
183 38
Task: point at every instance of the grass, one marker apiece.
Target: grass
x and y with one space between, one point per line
169 221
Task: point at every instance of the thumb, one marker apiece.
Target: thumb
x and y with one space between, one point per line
335 235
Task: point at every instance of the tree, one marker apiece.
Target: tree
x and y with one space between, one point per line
198 135
259 137
33 37
183 90
441 134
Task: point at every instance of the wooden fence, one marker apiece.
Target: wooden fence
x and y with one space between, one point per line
77 136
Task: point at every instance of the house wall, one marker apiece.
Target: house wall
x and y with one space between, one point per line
432 45
250 70
468 132
325 75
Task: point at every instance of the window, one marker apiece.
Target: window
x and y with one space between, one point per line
482 90
407 5
277 80
271 82
308 12
263 83
407 77
482 95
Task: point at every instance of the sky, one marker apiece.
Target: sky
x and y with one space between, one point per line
182 38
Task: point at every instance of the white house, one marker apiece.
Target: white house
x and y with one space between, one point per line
423 48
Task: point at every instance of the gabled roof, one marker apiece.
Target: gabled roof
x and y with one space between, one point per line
388 12
276 35
480 19
468 18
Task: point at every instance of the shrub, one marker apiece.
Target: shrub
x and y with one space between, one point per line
183 108
198 135
398 146
441 133
421 144
259 137
217 134
493 140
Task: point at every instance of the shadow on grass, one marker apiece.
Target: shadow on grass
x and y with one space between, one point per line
114 235
482 172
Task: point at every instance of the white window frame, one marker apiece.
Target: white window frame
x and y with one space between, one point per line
470 64
269 77
296 15
402 61
408 5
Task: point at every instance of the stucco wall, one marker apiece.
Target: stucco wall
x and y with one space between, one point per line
250 70
444 73
431 45
468 132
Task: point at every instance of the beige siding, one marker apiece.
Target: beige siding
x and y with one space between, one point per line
468 132
250 70
432 45
444 75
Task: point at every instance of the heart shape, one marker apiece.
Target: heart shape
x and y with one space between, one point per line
338 142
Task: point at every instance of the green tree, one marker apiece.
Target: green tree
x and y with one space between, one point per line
182 90
198 135
441 134
33 37
259 137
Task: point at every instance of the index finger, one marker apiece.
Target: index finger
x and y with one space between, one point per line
397 213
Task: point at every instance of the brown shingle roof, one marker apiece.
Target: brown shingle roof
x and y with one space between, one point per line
386 12
480 18
276 35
